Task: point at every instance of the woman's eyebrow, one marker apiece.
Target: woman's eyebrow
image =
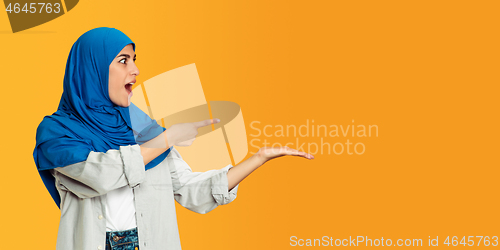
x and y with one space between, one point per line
127 56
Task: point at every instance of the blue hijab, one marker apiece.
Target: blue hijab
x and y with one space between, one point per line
86 119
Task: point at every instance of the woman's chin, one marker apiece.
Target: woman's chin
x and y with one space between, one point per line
124 103
129 99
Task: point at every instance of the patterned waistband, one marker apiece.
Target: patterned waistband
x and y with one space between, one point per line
115 238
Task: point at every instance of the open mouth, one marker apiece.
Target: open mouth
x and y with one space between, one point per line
128 87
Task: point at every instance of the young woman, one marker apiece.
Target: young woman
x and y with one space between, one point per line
113 172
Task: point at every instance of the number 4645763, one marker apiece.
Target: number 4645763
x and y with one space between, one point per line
471 241
34 7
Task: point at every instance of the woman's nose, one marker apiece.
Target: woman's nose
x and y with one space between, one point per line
135 70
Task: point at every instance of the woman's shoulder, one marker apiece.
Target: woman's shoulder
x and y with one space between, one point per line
55 126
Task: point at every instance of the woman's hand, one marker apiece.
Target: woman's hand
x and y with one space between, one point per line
183 134
267 153
239 172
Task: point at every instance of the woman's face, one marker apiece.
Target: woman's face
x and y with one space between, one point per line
122 73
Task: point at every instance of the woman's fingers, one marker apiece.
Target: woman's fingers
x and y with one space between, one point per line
291 151
206 122
282 151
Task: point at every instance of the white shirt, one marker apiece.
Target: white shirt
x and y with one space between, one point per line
120 209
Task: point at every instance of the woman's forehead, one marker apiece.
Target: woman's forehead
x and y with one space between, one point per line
127 51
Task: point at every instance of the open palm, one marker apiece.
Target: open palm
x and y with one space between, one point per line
268 153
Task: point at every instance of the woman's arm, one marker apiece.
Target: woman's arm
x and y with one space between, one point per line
155 147
202 192
237 173
102 172
182 134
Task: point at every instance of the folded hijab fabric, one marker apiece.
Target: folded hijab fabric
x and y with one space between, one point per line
86 119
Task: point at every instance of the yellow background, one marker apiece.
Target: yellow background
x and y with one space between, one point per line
425 72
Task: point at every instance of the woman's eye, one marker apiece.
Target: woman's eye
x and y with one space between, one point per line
122 60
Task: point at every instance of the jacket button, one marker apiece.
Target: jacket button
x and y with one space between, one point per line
99 247
100 217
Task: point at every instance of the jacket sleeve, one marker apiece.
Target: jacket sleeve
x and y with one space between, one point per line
200 192
102 172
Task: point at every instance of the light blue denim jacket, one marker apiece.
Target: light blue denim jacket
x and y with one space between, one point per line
82 187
